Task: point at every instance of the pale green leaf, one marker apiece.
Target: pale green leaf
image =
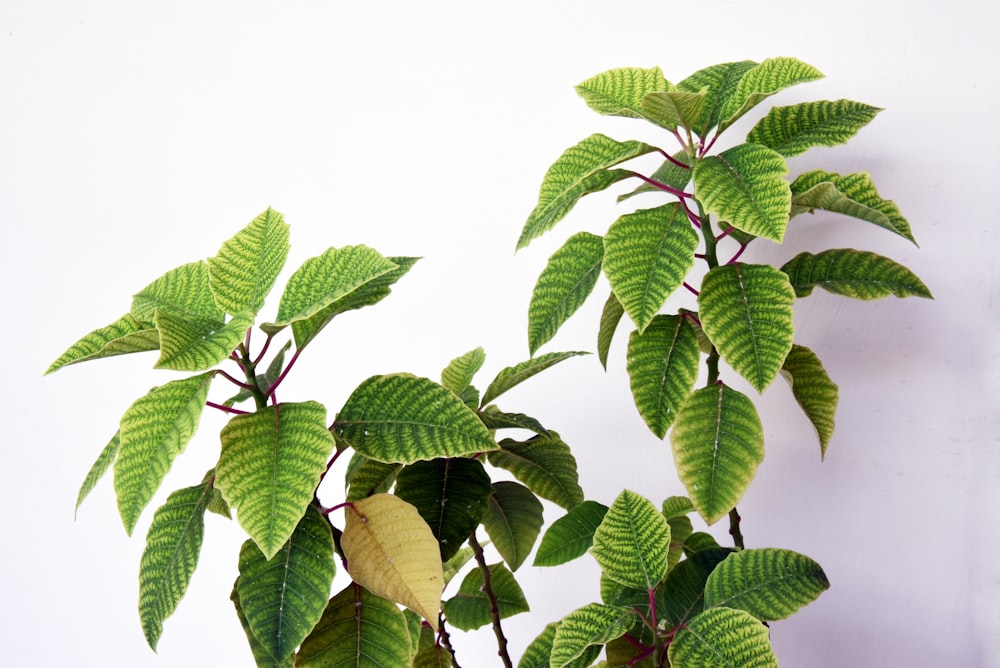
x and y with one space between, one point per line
675 108
563 286
770 584
357 630
571 535
676 506
766 79
593 624
746 311
458 375
580 170
536 654
370 477
647 254
184 293
719 83
401 418
283 597
123 336
632 541
794 129
154 430
513 520
620 92
270 465
98 469
722 638
611 315
852 195
512 376
662 369
813 390
196 345
545 465
853 273
453 566
744 186
718 443
246 266
173 544
470 608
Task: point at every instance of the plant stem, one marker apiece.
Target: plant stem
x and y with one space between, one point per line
662 186
444 638
734 529
477 550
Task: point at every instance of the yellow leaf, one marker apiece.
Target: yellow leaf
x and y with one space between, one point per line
392 553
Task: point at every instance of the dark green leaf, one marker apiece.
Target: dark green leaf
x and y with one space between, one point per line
853 273
512 376
682 595
770 584
610 317
543 463
470 608
813 390
593 624
513 519
571 535
369 477
494 418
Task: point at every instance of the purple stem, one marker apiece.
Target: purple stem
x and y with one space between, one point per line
291 363
663 186
736 257
225 409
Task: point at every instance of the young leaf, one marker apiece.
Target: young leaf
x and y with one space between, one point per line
357 629
183 292
563 286
744 186
283 597
370 477
632 541
593 624
722 637
401 418
719 83
793 130
674 108
647 254
458 375
746 311
270 465
513 519
154 430
245 268
392 553
813 390
571 535
98 469
450 494
620 92
261 654
676 506
662 369
469 609
771 76
770 584
853 273
123 336
512 376
579 171
718 443
453 566
545 465
196 345
611 315
852 195
173 544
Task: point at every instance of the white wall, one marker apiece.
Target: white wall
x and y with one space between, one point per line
137 136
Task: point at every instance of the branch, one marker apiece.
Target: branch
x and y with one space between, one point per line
734 529
477 550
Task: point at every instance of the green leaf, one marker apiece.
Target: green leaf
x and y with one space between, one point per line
98 469
579 171
682 595
793 130
719 83
620 92
283 597
324 279
453 566
680 530
450 494
744 186
632 541
470 608
264 380
853 273
154 430
536 654
357 630
746 311
513 376
852 195
662 369
262 656
245 268
647 254
593 624
813 390
184 293
370 477
123 336
699 541
270 465
770 584
430 653
675 108
458 375
173 544
494 418
189 345
611 315
513 520
543 463
718 443
771 76
676 506
722 638
563 286
669 174
401 418
370 293
571 535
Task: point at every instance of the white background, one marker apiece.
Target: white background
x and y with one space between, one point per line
136 136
